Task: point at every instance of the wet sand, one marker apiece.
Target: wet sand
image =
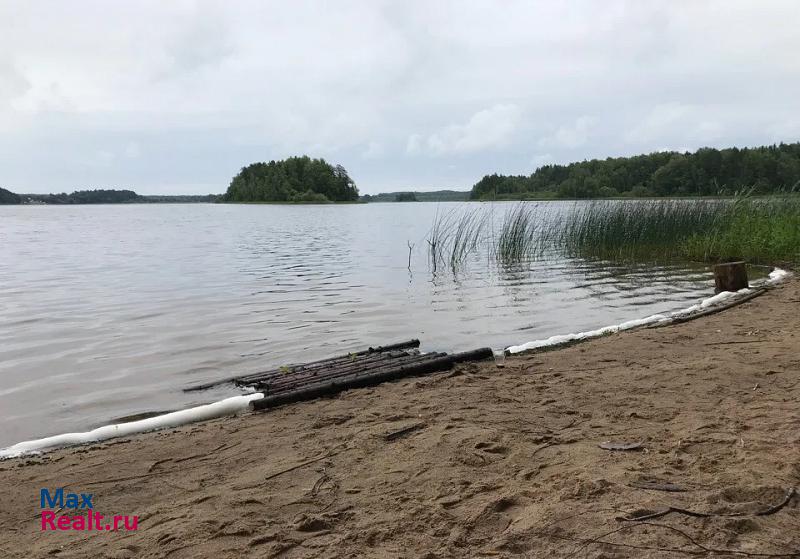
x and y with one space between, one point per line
496 463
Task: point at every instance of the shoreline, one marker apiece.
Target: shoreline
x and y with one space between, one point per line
479 461
236 404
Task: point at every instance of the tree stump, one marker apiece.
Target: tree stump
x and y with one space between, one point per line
730 276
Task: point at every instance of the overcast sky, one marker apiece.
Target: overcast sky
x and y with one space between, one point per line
176 96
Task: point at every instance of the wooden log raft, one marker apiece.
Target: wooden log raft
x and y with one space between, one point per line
335 384
306 381
370 354
730 276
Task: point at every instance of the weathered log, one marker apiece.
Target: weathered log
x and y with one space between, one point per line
360 380
292 382
301 371
245 379
730 276
372 353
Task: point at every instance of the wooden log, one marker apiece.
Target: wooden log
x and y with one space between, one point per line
372 352
244 379
294 382
330 387
730 276
297 371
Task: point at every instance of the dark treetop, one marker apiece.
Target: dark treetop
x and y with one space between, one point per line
99 196
8 197
706 172
296 179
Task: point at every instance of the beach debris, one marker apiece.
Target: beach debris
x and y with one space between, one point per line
642 514
329 454
610 445
311 523
500 358
369 354
657 486
329 377
730 276
394 435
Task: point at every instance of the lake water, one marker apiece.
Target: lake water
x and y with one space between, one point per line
108 311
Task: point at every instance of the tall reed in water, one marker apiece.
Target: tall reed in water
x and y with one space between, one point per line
759 230
453 237
640 229
518 239
456 235
466 236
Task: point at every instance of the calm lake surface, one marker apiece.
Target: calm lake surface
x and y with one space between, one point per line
108 311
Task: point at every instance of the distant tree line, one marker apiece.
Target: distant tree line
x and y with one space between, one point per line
85 197
706 172
103 197
430 196
296 179
8 197
178 198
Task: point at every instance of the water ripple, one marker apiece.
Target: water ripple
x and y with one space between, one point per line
108 311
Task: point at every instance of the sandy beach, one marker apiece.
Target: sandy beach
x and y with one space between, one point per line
475 462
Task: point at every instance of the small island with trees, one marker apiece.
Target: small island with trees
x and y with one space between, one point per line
293 180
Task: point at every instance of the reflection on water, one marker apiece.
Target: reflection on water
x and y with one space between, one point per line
109 311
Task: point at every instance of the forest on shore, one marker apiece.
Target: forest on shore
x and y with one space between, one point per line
418 196
705 172
8 197
102 196
296 179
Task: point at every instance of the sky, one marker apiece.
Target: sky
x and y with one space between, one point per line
175 97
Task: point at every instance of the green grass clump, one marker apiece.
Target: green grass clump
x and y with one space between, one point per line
519 239
758 230
453 237
636 230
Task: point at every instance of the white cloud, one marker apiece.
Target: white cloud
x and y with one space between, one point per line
679 124
133 150
414 144
216 85
570 136
488 129
661 118
373 150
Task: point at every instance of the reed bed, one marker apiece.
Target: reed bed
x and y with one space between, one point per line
466 238
525 234
636 230
454 237
457 235
758 230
